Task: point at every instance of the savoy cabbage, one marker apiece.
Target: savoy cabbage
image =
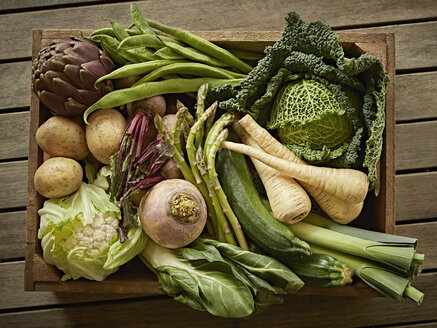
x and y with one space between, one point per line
327 108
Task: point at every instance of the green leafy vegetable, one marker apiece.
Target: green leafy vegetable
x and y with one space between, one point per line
218 277
327 107
79 234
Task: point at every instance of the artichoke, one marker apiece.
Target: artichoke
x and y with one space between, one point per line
64 72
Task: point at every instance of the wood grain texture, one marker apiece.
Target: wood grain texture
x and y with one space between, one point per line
297 311
414 145
432 324
15 84
13 235
416 44
415 96
14 296
230 15
13 176
34 4
416 196
14 135
425 234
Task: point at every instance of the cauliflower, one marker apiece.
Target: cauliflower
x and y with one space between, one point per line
79 234
95 236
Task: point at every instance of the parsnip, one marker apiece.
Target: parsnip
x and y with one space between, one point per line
337 209
347 184
288 200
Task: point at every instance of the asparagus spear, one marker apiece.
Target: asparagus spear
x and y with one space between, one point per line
210 157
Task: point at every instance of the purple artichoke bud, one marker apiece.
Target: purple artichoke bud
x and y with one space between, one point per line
64 74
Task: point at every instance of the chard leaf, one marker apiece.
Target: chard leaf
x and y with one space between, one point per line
262 266
195 303
264 299
199 283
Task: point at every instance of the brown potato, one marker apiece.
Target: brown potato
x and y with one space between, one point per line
104 133
171 170
126 82
62 137
58 177
153 105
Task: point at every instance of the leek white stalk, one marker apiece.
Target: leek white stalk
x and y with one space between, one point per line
397 256
318 220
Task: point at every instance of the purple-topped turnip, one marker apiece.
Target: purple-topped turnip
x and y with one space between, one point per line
173 213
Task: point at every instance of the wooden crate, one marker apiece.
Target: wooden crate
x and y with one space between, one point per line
378 213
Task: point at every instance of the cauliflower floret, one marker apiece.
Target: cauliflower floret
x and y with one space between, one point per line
95 236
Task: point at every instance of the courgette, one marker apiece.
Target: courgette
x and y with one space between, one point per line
258 223
321 270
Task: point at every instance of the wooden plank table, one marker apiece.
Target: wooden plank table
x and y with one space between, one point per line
414 24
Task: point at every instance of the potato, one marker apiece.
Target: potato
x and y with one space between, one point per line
58 177
171 170
104 133
62 137
153 105
126 82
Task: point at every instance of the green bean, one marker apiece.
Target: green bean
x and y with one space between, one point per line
196 69
245 54
103 31
139 20
202 45
146 40
136 55
167 53
146 90
109 45
136 69
194 54
119 32
122 56
143 40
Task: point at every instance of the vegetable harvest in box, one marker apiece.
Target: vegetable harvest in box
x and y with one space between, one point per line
232 174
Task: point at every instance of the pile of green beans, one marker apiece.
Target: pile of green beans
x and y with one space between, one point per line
170 61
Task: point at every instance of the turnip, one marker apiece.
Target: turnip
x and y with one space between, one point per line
173 213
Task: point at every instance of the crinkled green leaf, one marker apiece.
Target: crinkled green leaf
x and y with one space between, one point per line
312 51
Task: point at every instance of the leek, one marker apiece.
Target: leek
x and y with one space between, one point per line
376 276
416 266
381 237
397 256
